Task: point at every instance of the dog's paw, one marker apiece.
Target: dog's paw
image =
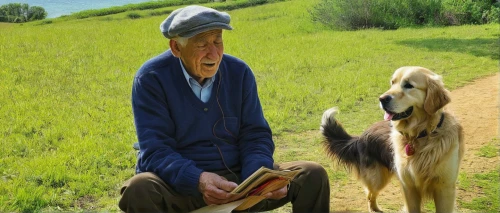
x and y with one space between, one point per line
329 116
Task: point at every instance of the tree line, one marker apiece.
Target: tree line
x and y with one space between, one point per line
390 14
21 12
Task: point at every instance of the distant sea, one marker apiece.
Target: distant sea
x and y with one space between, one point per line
56 8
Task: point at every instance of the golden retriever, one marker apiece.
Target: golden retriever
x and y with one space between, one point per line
418 141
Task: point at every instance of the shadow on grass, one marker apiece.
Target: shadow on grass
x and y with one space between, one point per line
480 47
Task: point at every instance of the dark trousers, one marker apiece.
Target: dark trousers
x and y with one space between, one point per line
308 192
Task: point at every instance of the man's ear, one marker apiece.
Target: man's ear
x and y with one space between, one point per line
174 46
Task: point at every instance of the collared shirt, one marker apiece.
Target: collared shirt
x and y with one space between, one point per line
202 92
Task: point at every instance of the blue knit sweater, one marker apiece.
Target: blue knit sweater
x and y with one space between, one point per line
179 135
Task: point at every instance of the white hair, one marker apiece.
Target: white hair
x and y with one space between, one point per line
181 40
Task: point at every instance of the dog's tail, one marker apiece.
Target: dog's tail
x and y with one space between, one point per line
338 143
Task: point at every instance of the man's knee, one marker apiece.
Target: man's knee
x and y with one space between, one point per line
142 192
314 170
141 182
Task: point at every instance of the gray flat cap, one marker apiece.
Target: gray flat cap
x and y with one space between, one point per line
191 20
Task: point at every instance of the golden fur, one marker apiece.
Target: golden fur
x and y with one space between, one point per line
415 107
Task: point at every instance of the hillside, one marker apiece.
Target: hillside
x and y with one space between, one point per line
65 114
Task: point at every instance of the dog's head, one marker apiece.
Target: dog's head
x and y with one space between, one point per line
414 92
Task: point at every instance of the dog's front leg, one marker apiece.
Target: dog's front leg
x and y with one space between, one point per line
444 199
413 199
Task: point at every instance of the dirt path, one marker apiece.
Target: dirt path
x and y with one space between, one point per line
476 106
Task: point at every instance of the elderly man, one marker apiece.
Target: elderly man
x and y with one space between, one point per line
201 128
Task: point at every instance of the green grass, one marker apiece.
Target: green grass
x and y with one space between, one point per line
486 186
66 124
490 150
347 69
148 9
483 187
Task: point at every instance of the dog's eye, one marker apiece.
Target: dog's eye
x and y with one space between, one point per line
407 85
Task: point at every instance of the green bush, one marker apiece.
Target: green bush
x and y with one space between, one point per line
36 13
257 2
493 15
473 11
160 12
423 12
47 22
19 13
134 15
358 14
388 14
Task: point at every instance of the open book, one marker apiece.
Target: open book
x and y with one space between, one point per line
251 190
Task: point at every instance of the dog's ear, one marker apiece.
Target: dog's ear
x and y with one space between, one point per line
437 96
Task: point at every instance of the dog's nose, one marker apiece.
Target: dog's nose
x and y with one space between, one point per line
384 99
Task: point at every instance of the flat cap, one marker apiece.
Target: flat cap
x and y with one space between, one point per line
192 20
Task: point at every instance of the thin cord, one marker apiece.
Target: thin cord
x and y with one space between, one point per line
224 162
224 121
220 107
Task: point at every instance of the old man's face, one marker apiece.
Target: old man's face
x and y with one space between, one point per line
202 54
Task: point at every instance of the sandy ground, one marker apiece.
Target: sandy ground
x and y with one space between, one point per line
477 108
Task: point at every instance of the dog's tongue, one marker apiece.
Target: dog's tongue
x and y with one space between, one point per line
388 116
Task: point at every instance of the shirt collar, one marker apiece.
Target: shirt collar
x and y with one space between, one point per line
191 80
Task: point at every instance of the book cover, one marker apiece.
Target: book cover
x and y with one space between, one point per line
251 190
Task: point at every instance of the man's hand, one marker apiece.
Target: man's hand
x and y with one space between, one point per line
216 189
277 194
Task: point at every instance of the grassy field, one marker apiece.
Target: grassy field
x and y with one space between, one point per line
148 9
66 126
